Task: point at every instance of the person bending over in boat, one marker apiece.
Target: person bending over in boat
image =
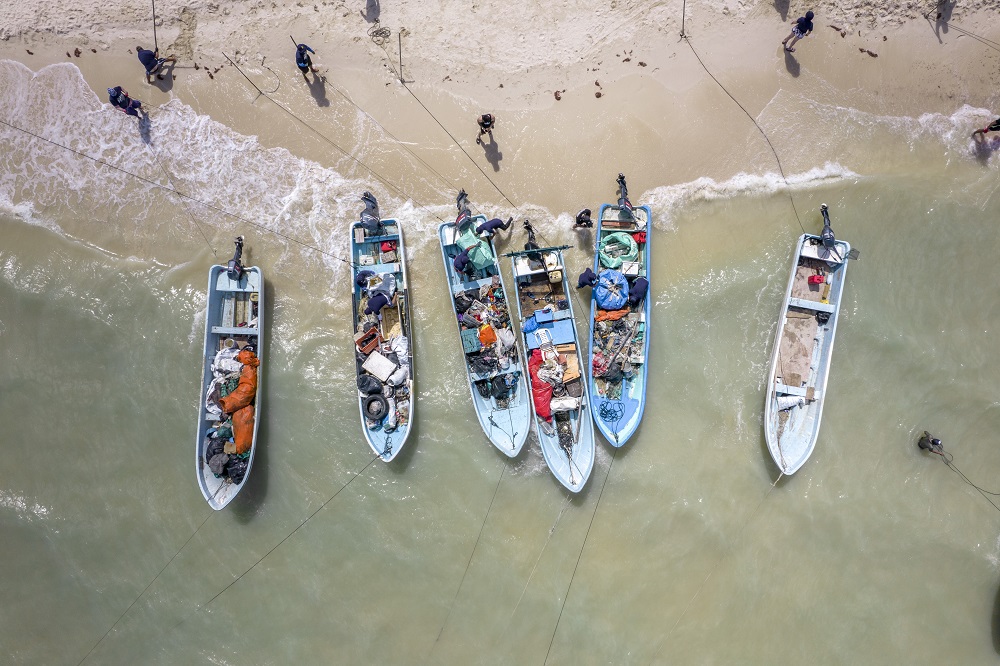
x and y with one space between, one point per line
490 228
637 291
463 264
376 303
588 278
583 220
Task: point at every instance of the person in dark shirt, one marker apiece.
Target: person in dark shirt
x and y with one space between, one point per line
362 278
588 278
486 123
992 127
303 61
463 264
119 99
637 291
152 61
490 228
803 26
583 220
376 303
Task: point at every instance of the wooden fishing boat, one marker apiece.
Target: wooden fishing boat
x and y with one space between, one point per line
496 375
619 325
803 347
559 391
230 404
382 331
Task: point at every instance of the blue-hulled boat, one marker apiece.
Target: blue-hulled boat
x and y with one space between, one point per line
559 390
230 404
497 378
803 347
382 338
619 327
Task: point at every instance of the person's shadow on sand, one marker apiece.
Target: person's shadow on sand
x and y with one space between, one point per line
317 88
791 64
492 152
943 13
782 7
164 79
372 10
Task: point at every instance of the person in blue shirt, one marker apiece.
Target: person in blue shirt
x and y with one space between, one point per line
588 278
803 26
152 61
490 228
463 264
637 291
376 303
119 99
303 61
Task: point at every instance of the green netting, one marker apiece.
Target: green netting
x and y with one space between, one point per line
616 248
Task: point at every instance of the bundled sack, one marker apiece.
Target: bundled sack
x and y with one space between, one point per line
243 421
541 392
247 388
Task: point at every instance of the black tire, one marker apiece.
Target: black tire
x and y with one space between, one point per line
376 407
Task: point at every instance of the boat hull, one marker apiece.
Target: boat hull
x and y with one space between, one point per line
225 299
506 423
618 412
802 352
572 464
386 435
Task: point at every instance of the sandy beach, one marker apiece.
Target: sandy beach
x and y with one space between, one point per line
686 546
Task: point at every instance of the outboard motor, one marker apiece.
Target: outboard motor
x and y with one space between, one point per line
464 214
371 220
532 244
235 268
829 240
623 202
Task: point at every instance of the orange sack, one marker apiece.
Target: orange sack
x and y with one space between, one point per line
247 388
243 429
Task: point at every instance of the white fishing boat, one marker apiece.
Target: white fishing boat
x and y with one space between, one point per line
803 347
230 404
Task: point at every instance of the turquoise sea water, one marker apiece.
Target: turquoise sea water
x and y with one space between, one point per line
678 551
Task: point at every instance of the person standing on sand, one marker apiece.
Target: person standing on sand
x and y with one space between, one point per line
486 123
152 61
303 61
119 99
803 26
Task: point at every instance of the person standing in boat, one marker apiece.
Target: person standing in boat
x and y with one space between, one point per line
486 124
803 26
583 220
490 228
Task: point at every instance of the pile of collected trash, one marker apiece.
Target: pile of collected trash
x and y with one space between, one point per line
488 340
556 384
383 365
230 398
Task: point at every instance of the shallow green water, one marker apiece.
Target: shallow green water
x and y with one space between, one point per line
678 551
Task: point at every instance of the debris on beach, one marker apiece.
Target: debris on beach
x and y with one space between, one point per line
210 75
93 50
869 52
558 95
884 38
501 85
843 33
642 64
196 66
77 52
447 78
597 83
597 94
68 54
29 52
627 60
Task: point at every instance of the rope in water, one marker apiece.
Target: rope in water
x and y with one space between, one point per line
471 555
715 568
579 556
687 39
948 459
167 188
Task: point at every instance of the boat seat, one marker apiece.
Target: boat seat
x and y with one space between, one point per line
561 330
379 269
235 330
811 305
807 392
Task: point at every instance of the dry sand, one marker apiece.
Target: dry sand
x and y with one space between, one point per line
659 116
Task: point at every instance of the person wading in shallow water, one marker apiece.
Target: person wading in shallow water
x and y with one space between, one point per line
803 26
992 127
303 61
486 124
